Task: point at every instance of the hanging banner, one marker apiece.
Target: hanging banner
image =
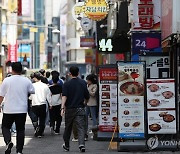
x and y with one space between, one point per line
12 52
107 98
131 100
146 14
161 106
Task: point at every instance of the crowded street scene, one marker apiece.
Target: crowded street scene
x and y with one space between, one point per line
89 76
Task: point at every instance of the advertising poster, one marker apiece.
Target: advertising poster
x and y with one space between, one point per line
131 100
161 106
108 99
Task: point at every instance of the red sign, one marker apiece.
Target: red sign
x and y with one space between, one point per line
87 42
12 52
108 74
145 12
19 7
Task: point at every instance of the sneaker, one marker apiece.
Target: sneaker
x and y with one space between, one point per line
56 133
85 137
19 153
74 140
65 148
82 148
39 136
36 132
8 148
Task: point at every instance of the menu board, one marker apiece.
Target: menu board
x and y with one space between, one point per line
131 100
108 99
161 106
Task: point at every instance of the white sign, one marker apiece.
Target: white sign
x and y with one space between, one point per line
86 23
77 11
161 106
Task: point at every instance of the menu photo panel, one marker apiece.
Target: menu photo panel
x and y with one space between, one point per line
131 93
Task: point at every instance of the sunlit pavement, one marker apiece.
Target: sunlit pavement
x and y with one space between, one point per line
51 144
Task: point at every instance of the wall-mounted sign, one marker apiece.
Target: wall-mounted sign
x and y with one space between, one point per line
86 23
77 11
96 9
146 14
87 42
105 45
145 42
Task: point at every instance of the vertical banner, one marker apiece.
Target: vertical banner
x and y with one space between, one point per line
26 8
12 52
161 106
63 21
108 98
131 93
42 43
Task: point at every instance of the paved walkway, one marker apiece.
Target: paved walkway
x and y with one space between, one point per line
51 144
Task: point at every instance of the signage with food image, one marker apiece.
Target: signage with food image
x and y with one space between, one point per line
160 93
131 100
131 79
161 106
162 122
108 98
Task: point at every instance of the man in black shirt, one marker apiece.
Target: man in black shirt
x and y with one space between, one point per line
74 96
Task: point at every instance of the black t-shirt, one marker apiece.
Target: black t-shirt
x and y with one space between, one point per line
76 91
55 89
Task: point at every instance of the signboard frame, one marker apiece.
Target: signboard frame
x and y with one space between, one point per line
171 139
128 95
106 135
133 144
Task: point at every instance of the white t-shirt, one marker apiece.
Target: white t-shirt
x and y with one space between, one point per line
42 94
15 90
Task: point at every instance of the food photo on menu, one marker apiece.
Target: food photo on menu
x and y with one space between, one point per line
161 122
160 95
131 82
105 88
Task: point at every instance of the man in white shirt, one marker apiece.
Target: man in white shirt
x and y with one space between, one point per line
40 100
14 93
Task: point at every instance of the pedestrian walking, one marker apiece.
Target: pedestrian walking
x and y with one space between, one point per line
15 106
55 106
74 96
43 76
91 107
40 100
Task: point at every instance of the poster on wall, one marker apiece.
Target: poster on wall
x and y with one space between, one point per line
161 106
131 100
107 98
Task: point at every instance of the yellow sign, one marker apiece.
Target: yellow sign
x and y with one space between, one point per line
96 9
12 5
42 45
33 29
